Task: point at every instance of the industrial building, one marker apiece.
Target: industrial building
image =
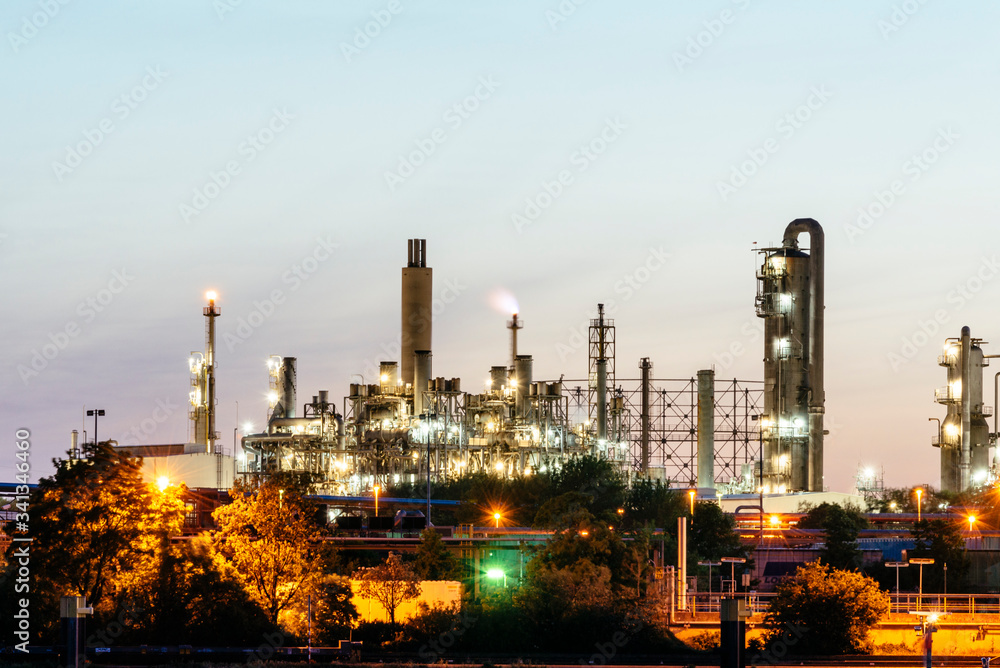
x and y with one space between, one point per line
963 435
720 436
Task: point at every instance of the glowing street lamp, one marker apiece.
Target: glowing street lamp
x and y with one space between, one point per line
497 574
281 499
376 500
972 520
496 517
921 563
920 493
691 495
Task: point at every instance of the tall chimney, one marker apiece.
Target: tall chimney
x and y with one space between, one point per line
416 311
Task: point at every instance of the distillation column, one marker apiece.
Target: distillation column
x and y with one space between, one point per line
964 433
791 301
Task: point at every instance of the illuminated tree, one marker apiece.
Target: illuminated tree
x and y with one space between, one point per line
829 610
841 527
269 535
434 561
391 584
95 524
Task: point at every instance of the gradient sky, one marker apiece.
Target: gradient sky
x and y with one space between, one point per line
880 96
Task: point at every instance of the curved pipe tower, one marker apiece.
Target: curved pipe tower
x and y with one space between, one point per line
790 299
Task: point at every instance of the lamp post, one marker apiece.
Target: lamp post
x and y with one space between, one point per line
897 565
920 493
691 495
732 561
710 564
921 563
497 516
376 500
95 412
281 499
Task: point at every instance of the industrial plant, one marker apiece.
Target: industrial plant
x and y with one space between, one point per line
719 436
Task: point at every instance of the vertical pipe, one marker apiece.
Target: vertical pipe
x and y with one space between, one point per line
817 396
74 444
602 398
212 311
645 368
706 428
966 460
682 563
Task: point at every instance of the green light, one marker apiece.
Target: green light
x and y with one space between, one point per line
494 574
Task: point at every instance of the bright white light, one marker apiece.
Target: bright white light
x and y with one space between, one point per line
385 378
868 473
781 489
783 460
500 467
163 482
211 295
248 428
494 574
504 302
979 476
272 398
951 429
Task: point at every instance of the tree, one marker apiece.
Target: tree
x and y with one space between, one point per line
94 522
333 611
841 526
434 561
269 535
391 584
831 609
941 541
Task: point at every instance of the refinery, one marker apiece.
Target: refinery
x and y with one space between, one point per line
721 437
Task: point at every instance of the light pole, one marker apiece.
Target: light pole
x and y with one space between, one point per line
732 561
95 412
281 499
921 563
920 493
376 500
946 586
691 495
710 564
897 565
497 516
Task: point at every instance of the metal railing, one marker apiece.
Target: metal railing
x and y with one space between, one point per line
703 603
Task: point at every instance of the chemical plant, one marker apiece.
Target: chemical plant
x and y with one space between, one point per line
721 436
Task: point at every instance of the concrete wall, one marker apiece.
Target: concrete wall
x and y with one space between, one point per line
432 593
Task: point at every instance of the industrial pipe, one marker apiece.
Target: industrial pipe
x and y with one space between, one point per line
646 370
965 463
602 398
817 397
421 374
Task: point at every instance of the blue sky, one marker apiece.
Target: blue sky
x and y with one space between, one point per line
880 94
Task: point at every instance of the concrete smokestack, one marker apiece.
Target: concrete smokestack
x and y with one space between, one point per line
522 376
421 373
646 370
416 308
706 429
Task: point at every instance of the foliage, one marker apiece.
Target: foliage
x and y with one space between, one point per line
271 538
832 609
391 584
941 540
706 641
433 560
92 521
333 611
841 526
195 597
713 534
904 500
